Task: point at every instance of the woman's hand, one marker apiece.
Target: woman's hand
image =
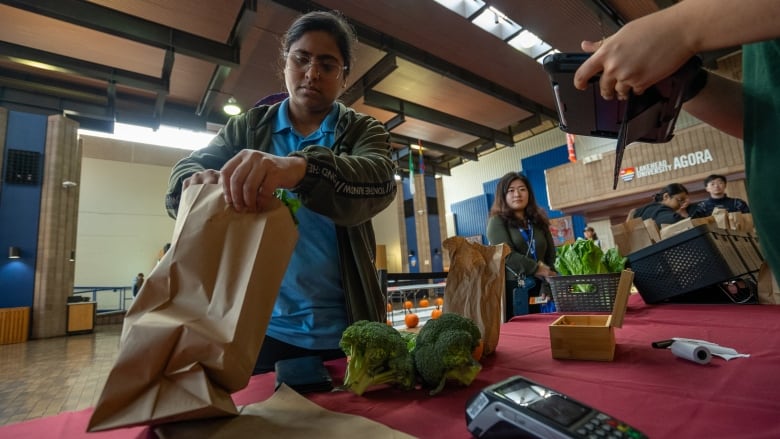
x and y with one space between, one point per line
250 178
208 176
544 271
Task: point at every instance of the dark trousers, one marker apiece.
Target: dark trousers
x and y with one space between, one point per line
274 350
509 309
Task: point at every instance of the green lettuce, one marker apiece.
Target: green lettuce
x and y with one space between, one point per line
585 257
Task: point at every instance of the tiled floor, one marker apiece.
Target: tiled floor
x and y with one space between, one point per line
48 376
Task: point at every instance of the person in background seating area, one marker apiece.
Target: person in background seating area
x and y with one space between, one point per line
666 203
715 185
517 221
137 283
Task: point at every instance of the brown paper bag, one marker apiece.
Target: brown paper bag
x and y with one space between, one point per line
768 291
475 285
721 218
285 414
192 335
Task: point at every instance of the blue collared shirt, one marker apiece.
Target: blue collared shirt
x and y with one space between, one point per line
310 311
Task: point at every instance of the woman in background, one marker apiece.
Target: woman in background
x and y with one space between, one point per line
665 206
590 233
517 221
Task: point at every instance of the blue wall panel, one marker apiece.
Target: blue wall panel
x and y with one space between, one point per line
534 167
471 216
19 212
489 187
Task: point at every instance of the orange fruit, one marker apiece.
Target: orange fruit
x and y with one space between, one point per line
478 351
408 304
389 323
389 307
439 301
424 303
411 320
435 314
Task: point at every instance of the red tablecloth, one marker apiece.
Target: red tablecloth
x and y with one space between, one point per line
658 393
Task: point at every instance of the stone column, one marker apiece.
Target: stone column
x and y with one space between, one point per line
57 227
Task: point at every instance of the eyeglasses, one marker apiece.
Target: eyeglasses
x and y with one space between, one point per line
681 200
326 69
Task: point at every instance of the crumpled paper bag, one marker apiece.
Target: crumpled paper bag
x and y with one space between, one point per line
285 414
475 285
768 290
192 335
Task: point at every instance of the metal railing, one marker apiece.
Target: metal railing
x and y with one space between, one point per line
108 299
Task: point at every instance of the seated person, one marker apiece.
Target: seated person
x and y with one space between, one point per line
715 185
665 205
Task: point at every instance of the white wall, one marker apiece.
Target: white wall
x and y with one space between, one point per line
466 180
122 224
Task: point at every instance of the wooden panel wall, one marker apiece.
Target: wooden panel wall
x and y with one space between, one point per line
574 186
54 272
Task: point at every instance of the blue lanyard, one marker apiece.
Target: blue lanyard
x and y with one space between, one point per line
528 235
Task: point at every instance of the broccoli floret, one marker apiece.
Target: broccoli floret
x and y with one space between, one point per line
443 351
377 355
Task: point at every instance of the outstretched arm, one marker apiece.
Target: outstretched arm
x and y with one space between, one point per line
653 47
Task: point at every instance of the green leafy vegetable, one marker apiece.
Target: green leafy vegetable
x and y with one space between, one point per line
443 351
585 257
378 354
291 202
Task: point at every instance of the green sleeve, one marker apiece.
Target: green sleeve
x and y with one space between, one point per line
498 232
355 180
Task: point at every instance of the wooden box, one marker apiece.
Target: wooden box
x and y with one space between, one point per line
81 317
590 337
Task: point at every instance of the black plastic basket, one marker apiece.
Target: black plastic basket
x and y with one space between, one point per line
691 260
585 293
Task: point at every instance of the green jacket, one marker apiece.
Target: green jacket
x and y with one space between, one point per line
349 183
498 232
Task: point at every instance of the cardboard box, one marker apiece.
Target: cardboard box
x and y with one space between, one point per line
591 337
635 234
683 225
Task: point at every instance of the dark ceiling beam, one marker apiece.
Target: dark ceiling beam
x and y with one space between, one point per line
83 68
159 104
526 124
394 122
372 77
401 139
91 103
384 42
431 168
410 109
246 16
610 19
113 22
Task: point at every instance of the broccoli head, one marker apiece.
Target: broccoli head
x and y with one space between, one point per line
443 351
377 354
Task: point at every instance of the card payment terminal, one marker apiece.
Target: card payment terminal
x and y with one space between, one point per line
520 408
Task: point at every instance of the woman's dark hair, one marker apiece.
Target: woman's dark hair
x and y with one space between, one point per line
592 232
533 212
331 22
671 189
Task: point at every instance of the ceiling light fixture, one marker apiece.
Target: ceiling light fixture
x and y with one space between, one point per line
231 108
